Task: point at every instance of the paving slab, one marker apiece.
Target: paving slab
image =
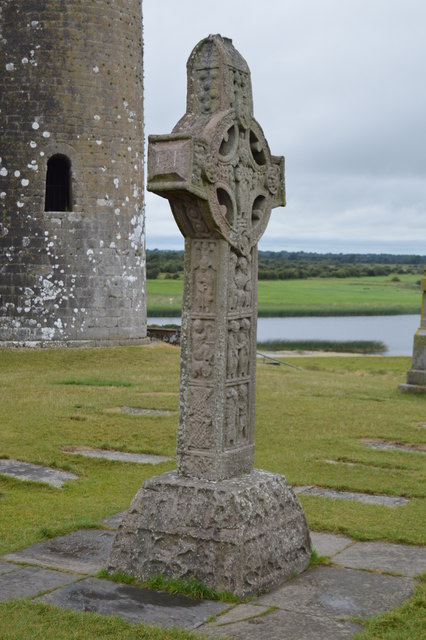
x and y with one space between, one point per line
137 411
284 625
84 551
31 581
35 473
114 521
328 544
242 612
120 456
7 567
134 604
398 446
338 592
368 498
384 556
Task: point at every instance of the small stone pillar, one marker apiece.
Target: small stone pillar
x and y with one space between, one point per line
416 376
216 518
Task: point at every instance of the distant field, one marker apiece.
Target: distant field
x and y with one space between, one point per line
377 295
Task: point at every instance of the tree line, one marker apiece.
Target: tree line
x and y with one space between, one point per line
294 265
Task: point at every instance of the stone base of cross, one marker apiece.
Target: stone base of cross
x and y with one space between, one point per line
216 518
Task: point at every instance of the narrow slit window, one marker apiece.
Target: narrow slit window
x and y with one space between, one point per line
58 184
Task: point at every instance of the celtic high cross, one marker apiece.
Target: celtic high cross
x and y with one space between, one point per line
216 518
221 180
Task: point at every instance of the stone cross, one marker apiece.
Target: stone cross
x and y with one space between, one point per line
245 531
221 180
416 376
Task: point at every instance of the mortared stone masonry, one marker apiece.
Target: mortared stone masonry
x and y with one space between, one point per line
72 262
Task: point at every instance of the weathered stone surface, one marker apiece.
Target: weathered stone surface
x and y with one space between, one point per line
30 581
134 604
367 498
114 521
7 567
416 376
336 592
35 472
71 87
328 544
241 535
121 456
83 551
221 180
398 446
218 520
285 625
383 556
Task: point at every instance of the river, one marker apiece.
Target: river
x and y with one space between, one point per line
397 332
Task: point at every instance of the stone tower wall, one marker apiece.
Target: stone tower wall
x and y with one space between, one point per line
71 86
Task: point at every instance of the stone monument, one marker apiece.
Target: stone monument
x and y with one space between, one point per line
72 254
416 376
216 518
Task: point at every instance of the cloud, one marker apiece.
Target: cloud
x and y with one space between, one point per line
339 90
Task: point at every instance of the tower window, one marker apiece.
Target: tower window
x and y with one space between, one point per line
58 184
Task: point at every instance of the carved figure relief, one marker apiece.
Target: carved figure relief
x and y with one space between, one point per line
242 433
238 354
236 415
204 277
231 416
244 348
202 349
240 285
199 422
232 353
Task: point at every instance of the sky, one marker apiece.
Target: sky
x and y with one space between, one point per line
339 89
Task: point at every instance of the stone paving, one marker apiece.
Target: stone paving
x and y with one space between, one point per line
35 473
121 456
367 498
318 604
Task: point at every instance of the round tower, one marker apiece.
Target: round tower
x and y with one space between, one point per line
72 255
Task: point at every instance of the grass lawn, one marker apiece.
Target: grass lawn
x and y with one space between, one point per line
377 295
305 417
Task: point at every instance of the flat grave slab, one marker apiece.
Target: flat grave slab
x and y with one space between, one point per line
35 472
397 446
30 581
367 498
328 544
84 551
137 411
407 560
134 604
288 625
7 567
121 456
337 593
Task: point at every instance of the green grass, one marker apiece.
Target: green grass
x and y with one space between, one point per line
21 620
191 587
377 295
304 417
406 622
352 346
92 382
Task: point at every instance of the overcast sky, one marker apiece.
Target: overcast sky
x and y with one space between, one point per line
339 88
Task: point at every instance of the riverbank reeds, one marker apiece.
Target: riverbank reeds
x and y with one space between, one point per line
351 346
